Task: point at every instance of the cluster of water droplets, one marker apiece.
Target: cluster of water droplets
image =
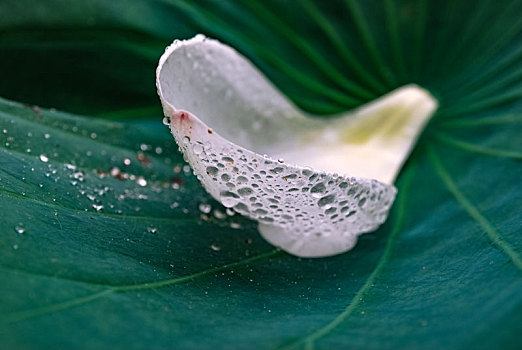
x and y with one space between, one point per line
275 193
70 166
97 181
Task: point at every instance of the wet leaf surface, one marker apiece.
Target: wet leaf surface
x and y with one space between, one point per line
101 253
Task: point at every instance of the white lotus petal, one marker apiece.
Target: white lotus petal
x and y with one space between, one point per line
227 118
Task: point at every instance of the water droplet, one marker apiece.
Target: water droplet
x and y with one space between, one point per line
166 120
241 208
152 230
126 161
205 208
326 200
307 171
97 207
351 213
219 214
115 171
78 176
260 211
229 199
20 228
141 181
47 136
197 148
212 170
245 191
277 170
93 135
318 190
235 225
43 158
215 248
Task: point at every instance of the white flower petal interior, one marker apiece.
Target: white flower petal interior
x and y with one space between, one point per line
233 126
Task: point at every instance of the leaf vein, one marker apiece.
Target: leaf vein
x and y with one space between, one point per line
467 146
310 339
52 308
472 211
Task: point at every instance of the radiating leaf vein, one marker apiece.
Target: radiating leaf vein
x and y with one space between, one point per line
467 146
48 309
310 339
473 211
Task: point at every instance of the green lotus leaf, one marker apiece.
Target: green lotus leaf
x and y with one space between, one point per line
108 240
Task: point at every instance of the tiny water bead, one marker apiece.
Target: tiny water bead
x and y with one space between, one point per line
212 170
115 171
44 158
318 190
20 228
141 181
197 148
218 214
205 208
145 147
235 225
229 199
326 200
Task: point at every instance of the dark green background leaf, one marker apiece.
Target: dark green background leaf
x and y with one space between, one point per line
151 270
